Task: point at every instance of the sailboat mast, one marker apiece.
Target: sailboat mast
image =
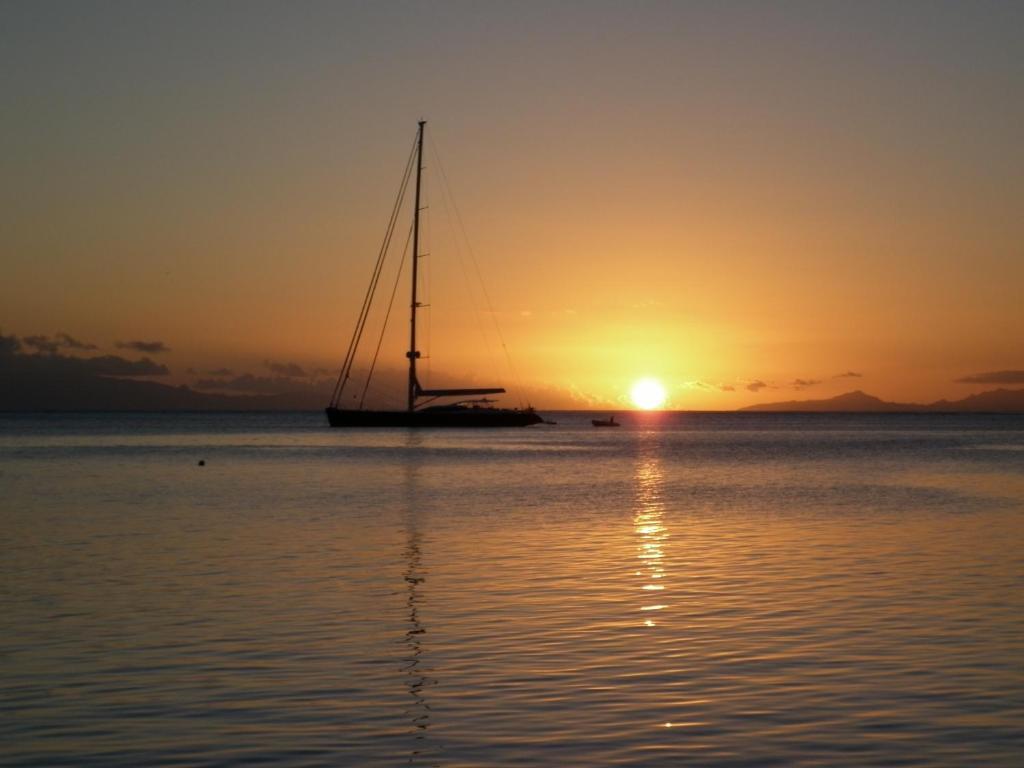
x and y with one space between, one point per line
412 354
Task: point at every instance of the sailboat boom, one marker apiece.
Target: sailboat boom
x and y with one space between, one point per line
460 392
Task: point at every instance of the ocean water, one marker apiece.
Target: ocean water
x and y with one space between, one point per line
687 590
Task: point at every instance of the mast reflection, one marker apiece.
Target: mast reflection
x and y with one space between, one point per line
651 533
416 675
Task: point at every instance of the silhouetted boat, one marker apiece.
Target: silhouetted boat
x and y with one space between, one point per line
609 422
476 411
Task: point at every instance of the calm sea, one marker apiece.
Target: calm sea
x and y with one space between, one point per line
695 590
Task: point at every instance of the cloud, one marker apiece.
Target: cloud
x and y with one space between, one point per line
152 347
994 377
247 382
70 342
756 386
286 377
848 375
9 346
290 370
112 365
706 386
580 396
804 383
46 345
42 344
253 384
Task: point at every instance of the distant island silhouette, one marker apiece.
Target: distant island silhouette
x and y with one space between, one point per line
992 401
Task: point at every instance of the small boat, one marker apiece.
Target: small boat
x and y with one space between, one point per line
609 422
472 409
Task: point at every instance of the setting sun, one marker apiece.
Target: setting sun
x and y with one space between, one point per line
648 394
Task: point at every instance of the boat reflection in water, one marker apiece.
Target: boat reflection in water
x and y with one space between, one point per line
417 677
651 534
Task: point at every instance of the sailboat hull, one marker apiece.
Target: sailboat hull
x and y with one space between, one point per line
458 418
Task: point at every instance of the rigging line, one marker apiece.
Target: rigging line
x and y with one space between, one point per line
346 369
483 287
346 366
446 194
368 299
387 316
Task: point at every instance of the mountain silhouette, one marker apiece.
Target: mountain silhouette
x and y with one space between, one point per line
993 401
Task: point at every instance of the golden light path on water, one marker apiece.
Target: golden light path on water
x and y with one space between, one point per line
651 532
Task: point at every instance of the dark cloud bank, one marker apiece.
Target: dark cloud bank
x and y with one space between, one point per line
36 376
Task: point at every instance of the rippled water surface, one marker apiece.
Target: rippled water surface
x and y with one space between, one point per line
706 590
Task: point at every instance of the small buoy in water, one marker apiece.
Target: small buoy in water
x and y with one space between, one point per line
202 462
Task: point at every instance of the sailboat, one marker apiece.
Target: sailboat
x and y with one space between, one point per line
471 409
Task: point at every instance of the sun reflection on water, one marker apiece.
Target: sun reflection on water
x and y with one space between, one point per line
650 531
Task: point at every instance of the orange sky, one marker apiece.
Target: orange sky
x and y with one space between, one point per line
714 195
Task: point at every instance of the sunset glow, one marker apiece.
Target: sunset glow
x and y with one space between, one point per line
809 221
